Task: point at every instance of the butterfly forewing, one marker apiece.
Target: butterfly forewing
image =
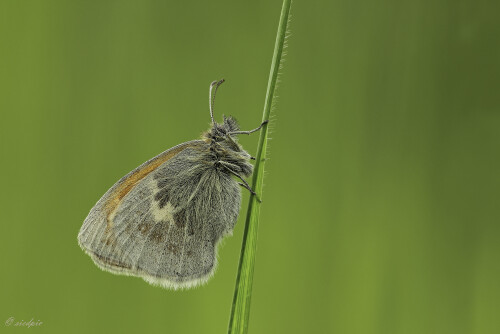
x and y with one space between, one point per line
163 220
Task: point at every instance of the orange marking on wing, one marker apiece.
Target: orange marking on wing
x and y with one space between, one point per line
123 189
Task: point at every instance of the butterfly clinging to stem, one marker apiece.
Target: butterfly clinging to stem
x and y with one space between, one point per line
163 220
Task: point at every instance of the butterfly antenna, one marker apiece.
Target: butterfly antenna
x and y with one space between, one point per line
213 89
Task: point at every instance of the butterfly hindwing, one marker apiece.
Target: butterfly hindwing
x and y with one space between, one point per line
163 220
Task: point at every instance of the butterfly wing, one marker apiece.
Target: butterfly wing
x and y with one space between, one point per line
163 220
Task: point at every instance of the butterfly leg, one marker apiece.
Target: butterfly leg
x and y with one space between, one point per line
243 183
254 158
249 132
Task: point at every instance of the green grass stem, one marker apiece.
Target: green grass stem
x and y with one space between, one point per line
240 311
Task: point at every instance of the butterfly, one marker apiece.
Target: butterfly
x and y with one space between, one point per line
163 220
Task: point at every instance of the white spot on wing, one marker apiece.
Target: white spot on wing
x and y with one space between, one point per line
166 213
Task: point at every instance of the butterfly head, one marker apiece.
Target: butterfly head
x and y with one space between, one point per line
224 133
227 127
222 138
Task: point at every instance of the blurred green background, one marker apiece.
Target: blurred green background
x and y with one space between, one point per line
381 200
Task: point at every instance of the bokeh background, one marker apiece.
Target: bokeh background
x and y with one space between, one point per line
381 200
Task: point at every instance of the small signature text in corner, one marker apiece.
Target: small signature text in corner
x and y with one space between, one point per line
13 322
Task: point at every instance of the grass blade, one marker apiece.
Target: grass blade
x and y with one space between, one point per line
240 311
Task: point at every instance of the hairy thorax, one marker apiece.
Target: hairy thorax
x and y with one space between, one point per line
225 151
